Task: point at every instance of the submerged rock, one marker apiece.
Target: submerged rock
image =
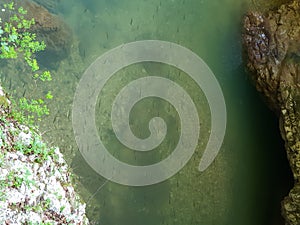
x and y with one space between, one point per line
272 43
267 5
50 5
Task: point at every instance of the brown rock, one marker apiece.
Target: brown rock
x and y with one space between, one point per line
272 43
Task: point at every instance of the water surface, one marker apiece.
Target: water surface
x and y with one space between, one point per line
238 187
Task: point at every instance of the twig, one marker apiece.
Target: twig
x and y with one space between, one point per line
99 188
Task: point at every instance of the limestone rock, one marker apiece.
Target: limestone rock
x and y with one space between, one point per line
34 190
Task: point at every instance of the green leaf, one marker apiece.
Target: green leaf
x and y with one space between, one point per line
21 10
18 40
49 95
13 37
45 76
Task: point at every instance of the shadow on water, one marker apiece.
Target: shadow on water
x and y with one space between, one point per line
262 167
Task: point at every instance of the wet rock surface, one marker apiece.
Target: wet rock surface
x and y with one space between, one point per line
272 44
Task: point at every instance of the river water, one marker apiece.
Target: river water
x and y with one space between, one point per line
243 185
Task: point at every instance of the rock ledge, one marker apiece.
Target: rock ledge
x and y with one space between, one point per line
35 182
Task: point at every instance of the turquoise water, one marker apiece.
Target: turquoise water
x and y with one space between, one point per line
242 186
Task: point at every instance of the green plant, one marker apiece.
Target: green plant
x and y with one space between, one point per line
18 41
40 150
42 223
37 148
62 208
14 179
46 203
30 110
16 38
20 147
2 141
2 154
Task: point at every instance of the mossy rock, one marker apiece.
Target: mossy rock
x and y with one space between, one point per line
272 46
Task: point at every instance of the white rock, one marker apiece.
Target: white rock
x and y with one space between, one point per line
25 138
40 181
14 196
34 217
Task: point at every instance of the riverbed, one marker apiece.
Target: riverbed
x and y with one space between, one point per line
245 182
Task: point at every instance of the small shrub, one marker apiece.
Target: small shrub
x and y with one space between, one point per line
18 41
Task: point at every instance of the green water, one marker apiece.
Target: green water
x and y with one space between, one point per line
242 186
